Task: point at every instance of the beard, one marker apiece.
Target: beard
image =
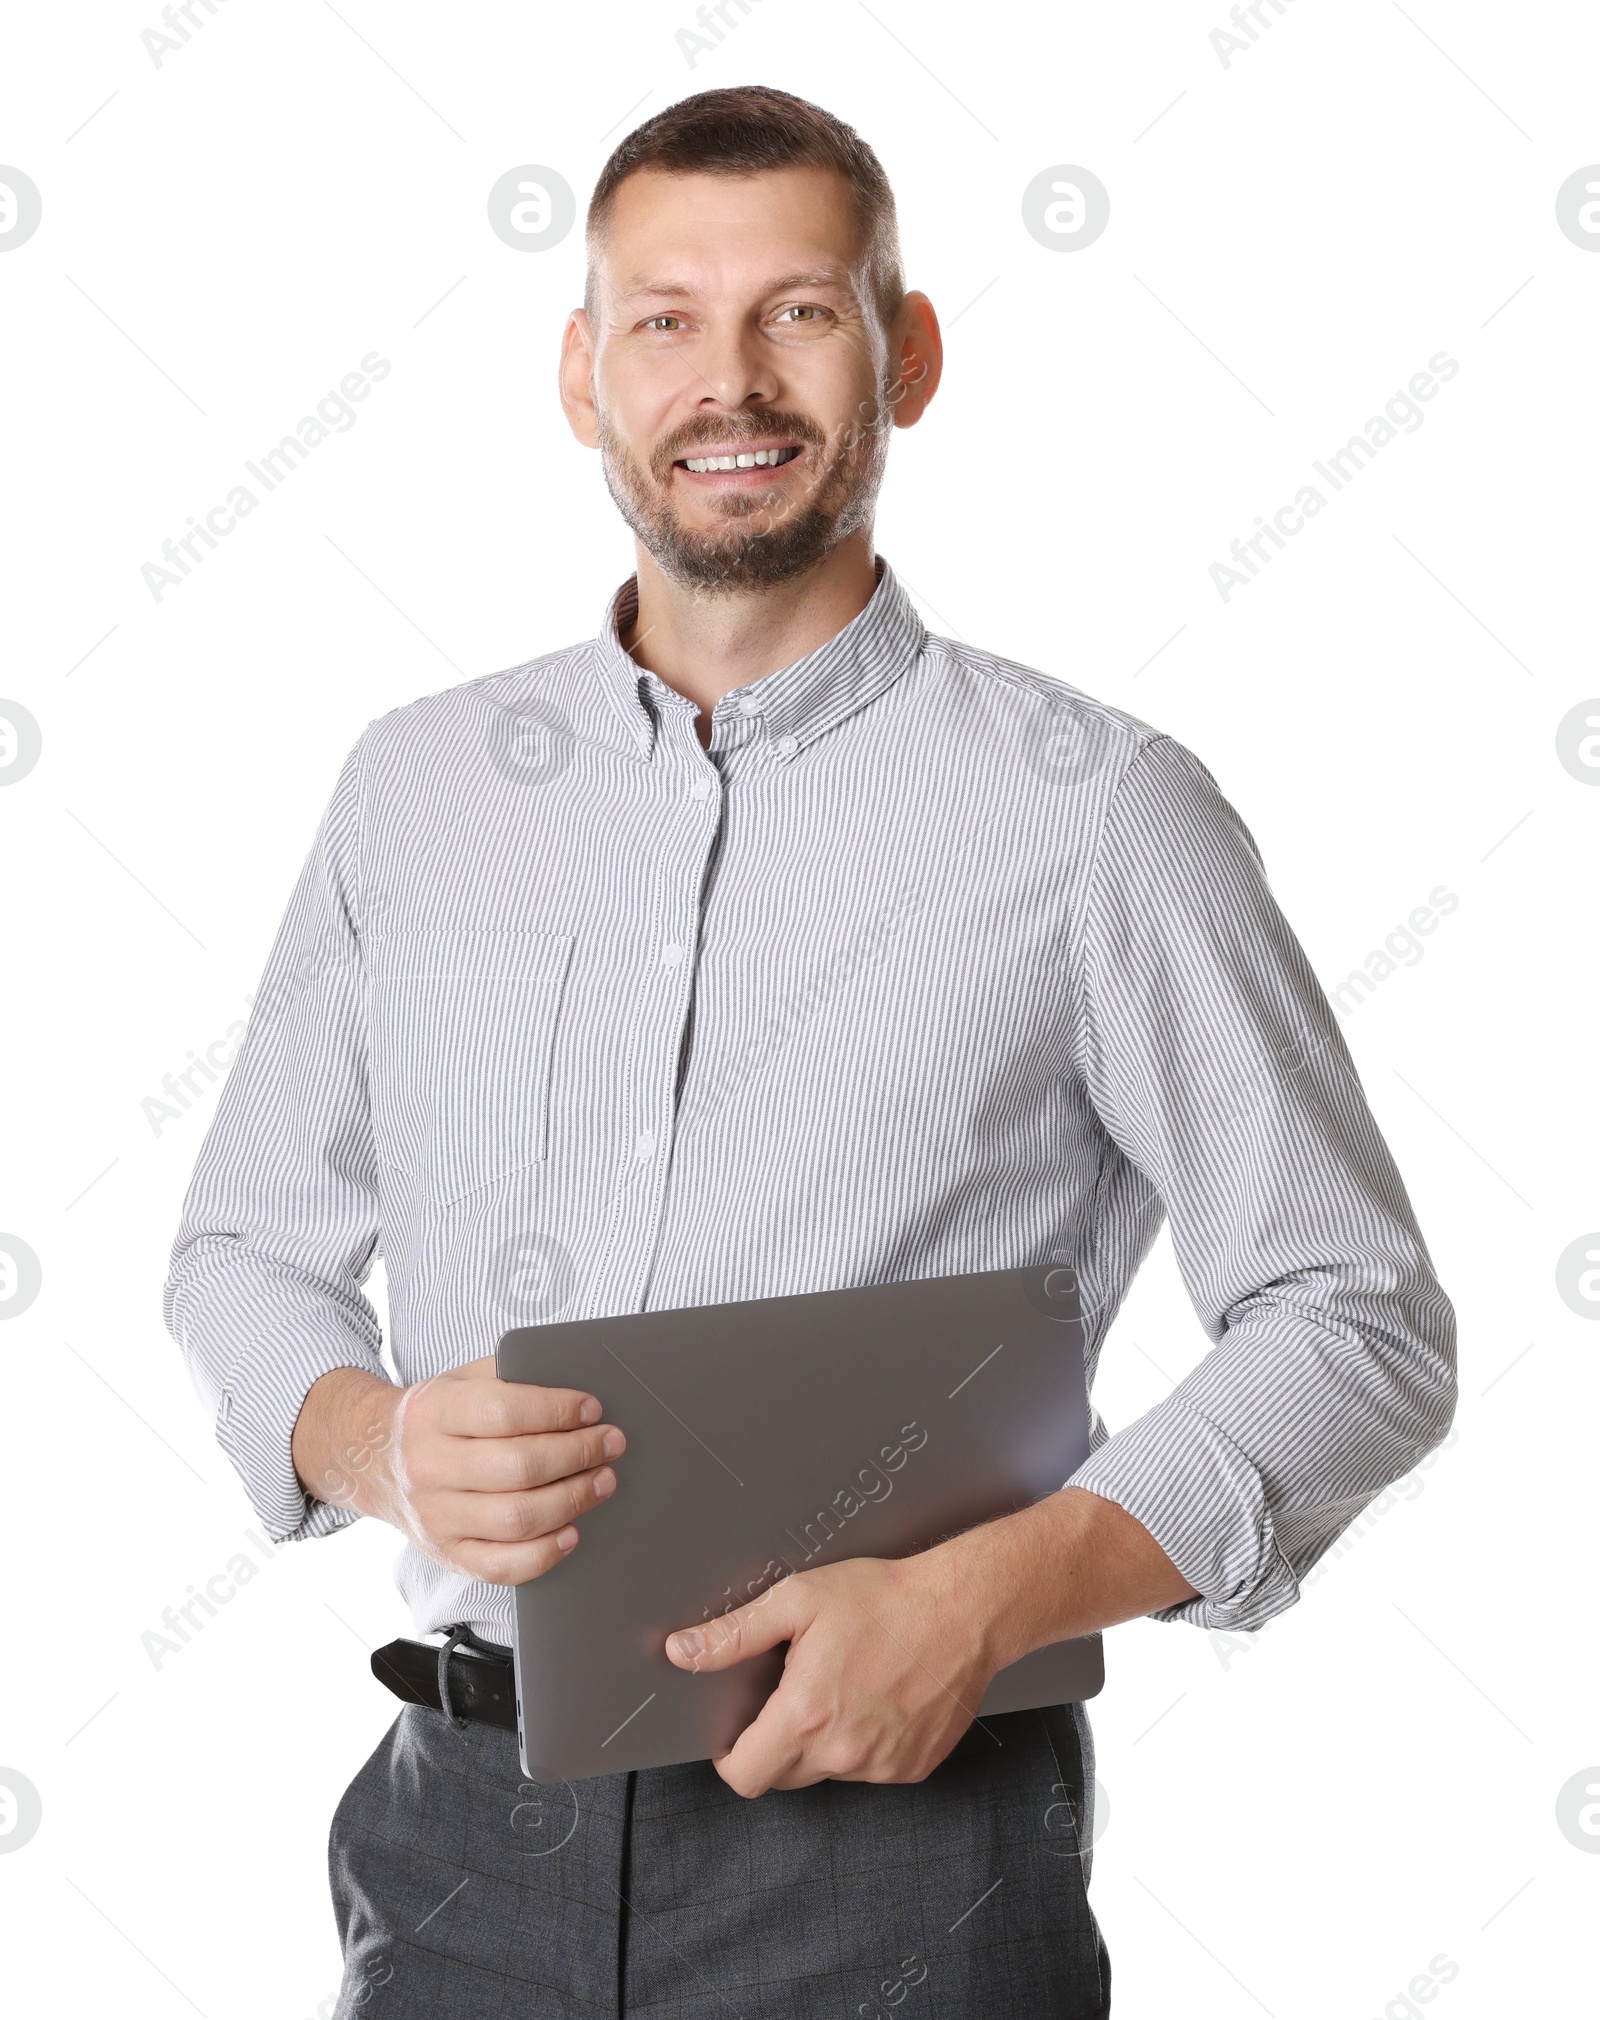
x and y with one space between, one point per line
763 536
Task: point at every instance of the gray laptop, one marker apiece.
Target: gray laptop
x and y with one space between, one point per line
767 1437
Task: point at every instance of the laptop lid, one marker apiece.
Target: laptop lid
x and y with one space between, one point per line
766 1437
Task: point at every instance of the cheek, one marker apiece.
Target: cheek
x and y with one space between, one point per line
840 388
642 402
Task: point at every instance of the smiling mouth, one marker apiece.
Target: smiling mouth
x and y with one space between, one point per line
738 460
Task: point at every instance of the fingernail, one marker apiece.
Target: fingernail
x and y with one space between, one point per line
589 1410
604 1481
565 1538
689 1644
611 1444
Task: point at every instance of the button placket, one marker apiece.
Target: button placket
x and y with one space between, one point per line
643 1177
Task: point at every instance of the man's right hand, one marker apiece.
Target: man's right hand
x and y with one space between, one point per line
485 1475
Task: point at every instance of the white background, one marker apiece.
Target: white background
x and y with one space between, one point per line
1301 1823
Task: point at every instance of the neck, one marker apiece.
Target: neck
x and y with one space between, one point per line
704 646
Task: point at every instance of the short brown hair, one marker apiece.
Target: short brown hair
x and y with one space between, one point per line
743 130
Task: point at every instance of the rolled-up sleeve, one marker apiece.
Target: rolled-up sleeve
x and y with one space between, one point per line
280 1223
1213 1060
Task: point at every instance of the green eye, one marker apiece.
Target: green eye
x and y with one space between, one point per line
654 320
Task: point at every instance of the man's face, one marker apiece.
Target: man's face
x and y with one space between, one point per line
733 319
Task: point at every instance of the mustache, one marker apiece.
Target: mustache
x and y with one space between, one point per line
747 428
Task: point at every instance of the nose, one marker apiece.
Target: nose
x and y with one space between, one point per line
735 369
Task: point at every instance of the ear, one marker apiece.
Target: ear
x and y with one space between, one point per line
918 350
575 374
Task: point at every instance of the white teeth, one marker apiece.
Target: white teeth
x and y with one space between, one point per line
748 460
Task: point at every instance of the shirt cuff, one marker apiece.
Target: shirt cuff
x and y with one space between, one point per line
258 1394
1203 1502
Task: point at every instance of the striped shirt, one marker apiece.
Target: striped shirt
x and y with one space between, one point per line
930 963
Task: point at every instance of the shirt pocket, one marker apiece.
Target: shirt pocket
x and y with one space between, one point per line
462 1032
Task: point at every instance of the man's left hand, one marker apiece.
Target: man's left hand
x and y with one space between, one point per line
889 1658
880 1681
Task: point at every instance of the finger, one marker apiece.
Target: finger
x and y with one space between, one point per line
512 1465
451 1516
772 1752
486 1407
511 1563
779 1614
749 1779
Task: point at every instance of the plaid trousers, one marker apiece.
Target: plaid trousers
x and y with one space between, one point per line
463 1891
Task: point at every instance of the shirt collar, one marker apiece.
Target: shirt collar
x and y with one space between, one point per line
797 702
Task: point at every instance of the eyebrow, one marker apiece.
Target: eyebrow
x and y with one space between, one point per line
825 277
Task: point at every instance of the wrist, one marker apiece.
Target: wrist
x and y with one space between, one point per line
1072 1563
971 1582
345 1440
1012 1582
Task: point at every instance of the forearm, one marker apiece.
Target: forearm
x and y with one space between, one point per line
1070 1564
889 1657
343 1438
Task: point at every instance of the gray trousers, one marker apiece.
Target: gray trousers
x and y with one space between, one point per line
464 1892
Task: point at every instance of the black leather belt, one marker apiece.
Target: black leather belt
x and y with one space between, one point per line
482 1686
479 1677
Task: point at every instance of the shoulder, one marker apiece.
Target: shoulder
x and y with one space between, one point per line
1048 724
436 724
1142 797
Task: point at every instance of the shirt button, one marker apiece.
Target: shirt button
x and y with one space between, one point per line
644 1143
699 788
671 956
786 746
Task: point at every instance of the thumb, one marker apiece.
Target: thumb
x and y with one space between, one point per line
778 1614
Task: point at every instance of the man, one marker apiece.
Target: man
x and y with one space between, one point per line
768 944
